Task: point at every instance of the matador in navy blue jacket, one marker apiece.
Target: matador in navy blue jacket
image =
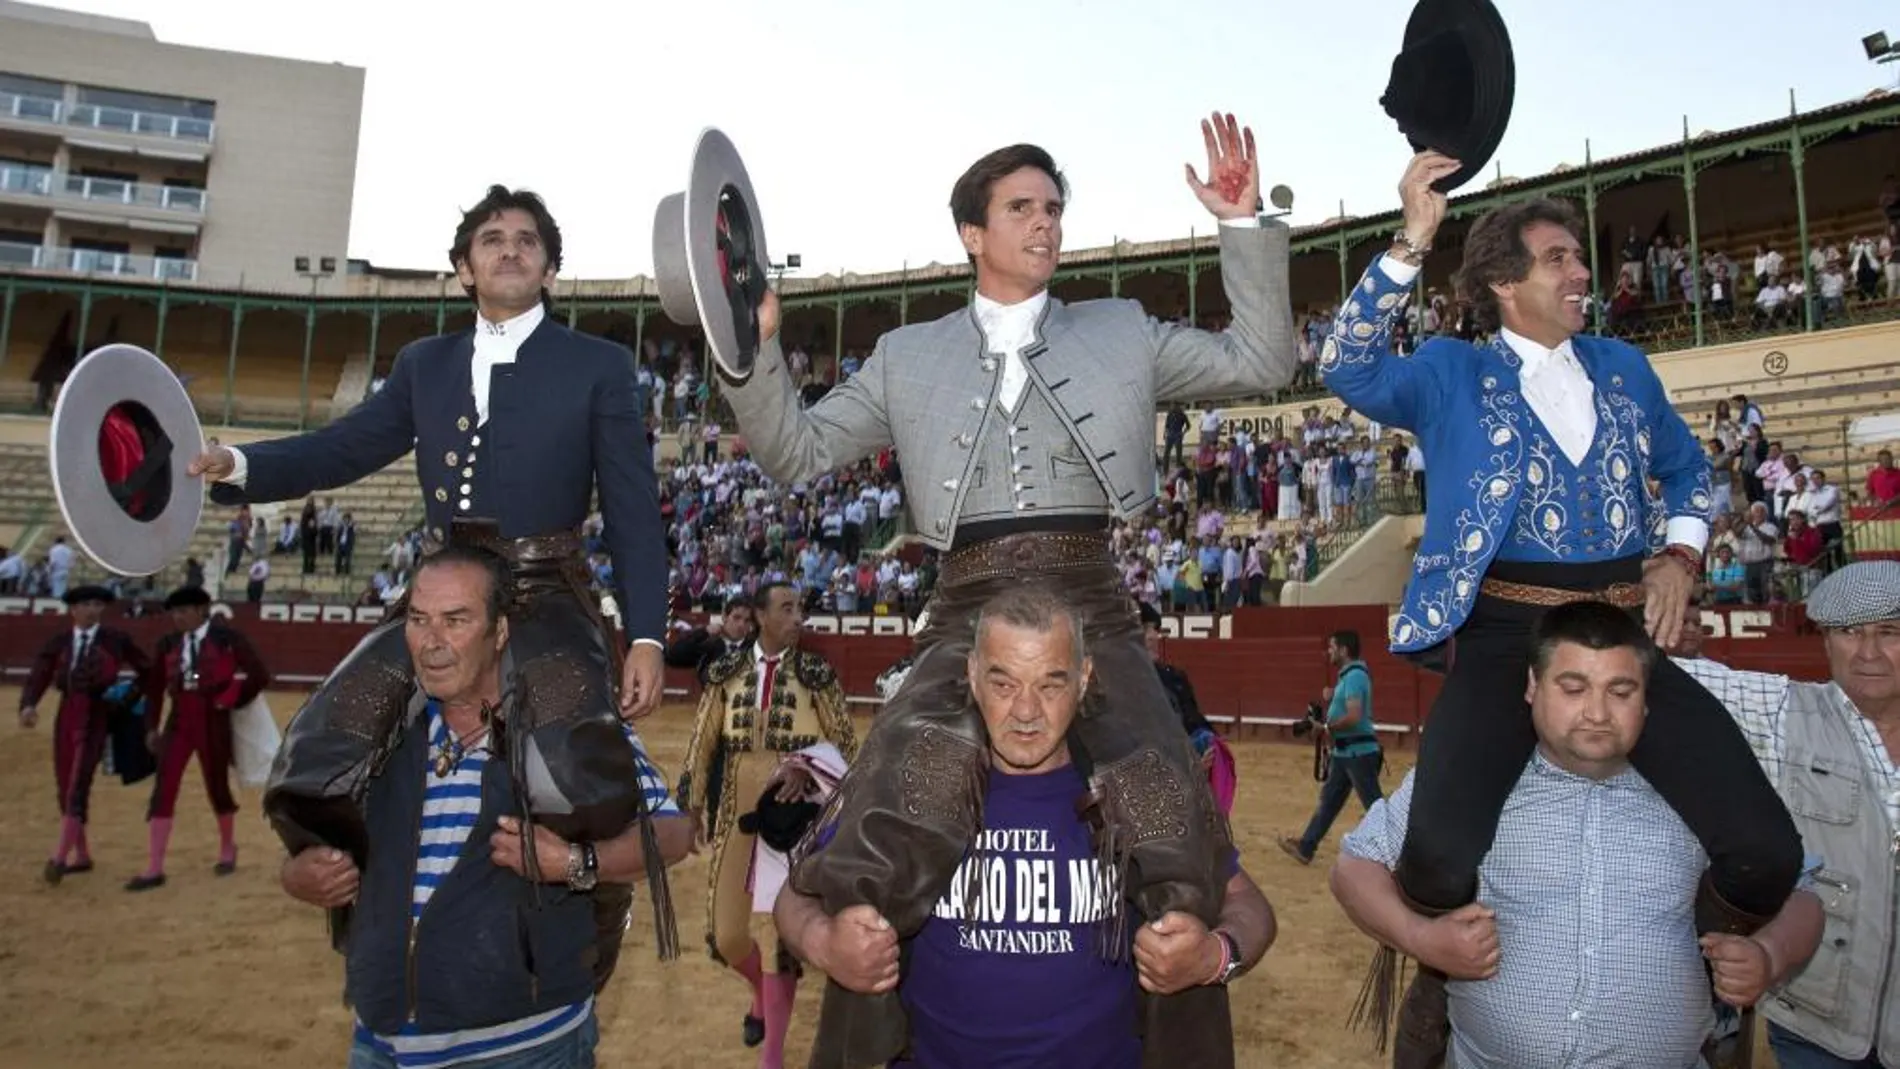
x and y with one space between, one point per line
515 423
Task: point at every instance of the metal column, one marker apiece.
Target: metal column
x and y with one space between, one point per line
1590 240
1345 282
1798 154
375 331
1194 277
85 317
6 317
309 337
1695 235
230 371
164 311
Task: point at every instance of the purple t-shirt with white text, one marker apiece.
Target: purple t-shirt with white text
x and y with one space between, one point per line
1016 981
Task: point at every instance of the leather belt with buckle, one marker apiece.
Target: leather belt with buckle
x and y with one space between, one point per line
1026 555
1621 595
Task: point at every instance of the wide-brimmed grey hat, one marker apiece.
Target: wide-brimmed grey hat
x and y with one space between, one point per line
123 432
1865 592
709 257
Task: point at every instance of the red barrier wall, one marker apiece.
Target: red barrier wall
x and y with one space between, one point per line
1273 664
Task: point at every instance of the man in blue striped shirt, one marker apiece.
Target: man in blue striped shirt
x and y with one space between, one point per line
468 946
1581 948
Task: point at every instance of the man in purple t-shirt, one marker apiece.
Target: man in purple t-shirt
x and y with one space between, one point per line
1012 970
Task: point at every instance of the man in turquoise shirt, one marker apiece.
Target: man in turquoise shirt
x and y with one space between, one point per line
1357 758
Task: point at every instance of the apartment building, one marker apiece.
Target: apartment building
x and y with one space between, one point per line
125 156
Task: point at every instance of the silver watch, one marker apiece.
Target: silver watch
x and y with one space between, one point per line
1233 956
583 867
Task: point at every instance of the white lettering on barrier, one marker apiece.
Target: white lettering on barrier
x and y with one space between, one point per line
1738 623
1720 623
300 613
851 626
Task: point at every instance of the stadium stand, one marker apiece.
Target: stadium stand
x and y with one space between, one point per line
279 360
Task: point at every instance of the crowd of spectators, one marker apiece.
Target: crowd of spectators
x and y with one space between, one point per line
1250 509
1778 521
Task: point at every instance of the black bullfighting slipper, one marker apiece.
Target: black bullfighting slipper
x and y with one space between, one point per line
753 1030
145 883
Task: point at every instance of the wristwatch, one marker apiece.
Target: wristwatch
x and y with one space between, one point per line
1406 251
1232 967
583 867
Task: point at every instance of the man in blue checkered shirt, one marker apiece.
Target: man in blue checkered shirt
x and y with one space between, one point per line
1581 948
466 947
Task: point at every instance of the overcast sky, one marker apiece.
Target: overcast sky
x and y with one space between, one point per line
856 116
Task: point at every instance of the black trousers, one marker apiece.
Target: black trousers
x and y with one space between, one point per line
1480 736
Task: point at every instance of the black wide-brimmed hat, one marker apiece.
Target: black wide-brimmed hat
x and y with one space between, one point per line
1452 85
123 432
709 258
186 597
779 824
77 594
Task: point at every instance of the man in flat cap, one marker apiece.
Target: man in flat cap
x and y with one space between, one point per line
198 666
81 662
1833 751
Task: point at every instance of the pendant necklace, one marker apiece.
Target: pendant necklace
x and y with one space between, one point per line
450 750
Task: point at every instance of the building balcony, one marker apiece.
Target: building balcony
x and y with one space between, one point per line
107 201
143 123
115 191
16 107
25 180
17 256
48 114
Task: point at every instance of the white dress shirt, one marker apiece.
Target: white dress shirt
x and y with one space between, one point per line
495 345
1009 328
1821 504
1007 331
758 673
1559 391
1563 398
187 650
82 645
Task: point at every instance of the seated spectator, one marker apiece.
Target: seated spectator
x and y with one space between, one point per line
1770 303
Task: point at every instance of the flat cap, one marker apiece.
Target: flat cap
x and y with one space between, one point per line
1864 592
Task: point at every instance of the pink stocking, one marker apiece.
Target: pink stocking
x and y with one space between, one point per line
780 989
160 833
750 969
227 838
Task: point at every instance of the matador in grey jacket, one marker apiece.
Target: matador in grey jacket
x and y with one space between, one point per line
1026 425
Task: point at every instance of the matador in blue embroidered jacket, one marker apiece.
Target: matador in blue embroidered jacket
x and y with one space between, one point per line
1544 443
1509 492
